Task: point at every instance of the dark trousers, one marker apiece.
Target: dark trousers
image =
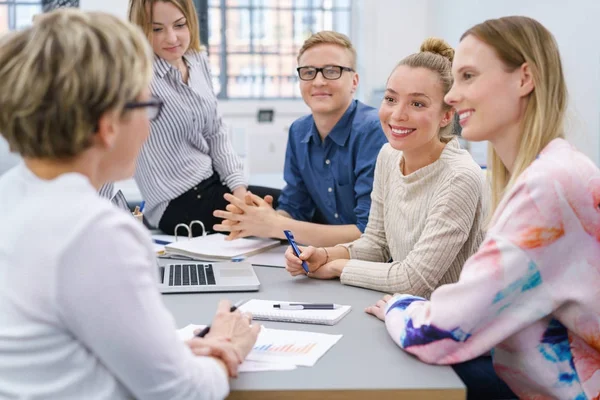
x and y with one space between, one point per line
199 202
481 380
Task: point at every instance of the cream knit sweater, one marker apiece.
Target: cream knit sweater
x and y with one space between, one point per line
428 223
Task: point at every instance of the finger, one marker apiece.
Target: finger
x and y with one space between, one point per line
229 222
228 215
292 267
224 307
387 298
201 351
291 257
258 201
248 199
233 209
248 316
241 204
269 200
255 329
381 304
307 252
231 358
238 234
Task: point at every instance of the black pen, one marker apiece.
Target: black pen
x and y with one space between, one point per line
306 306
205 331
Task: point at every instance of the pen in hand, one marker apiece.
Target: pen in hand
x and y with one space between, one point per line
205 331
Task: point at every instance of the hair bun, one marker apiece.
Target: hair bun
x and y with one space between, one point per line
438 46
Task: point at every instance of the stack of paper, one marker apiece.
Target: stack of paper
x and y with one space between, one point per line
215 248
278 349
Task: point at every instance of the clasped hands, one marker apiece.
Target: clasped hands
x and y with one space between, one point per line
254 216
230 339
247 215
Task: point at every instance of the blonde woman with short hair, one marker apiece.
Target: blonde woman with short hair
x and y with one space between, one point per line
188 163
80 313
530 293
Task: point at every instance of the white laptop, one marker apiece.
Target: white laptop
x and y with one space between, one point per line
184 276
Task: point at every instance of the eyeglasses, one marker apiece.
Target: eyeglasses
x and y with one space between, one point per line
329 72
153 107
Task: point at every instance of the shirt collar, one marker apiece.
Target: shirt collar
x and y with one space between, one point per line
162 67
340 132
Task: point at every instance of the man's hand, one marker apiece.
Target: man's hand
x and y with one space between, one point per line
251 216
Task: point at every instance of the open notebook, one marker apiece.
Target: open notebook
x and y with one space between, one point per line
215 248
263 310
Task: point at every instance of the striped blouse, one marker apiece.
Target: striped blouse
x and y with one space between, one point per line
188 142
107 190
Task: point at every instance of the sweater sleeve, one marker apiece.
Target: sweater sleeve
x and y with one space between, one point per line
372 245
446 230
511 282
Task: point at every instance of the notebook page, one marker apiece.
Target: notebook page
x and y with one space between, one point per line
215 246
263 310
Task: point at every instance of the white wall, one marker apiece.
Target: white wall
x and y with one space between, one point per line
386 32
117 7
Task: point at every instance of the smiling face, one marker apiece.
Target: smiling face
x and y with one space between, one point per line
412 111
485 93
325 96
170 35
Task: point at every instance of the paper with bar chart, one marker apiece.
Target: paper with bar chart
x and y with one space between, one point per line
278 349
291 347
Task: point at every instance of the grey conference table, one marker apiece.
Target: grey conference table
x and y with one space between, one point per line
364 363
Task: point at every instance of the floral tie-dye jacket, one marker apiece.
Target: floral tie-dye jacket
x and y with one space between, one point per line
532 291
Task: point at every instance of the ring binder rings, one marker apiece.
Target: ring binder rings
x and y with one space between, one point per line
189 229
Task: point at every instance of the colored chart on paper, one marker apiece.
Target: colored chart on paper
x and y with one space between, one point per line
294 347
286 348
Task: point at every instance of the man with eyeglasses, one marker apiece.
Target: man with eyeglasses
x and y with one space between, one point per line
330 158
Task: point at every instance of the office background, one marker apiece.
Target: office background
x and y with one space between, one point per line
253 57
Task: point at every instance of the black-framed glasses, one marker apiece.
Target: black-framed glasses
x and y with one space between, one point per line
329 72
153 107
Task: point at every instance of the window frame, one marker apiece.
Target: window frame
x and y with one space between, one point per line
311 7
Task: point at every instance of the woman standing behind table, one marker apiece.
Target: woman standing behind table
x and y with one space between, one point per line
188 162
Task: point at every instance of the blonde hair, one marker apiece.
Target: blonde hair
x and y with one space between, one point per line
140 13
58 77
518 40
436 55
330 37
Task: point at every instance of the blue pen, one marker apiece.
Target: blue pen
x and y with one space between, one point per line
142 205
290 238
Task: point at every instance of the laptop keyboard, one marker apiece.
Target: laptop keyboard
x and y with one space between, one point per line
188 274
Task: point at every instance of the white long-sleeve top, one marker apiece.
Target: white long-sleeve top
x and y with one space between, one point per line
80 313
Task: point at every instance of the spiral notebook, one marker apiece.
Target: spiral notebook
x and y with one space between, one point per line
263 310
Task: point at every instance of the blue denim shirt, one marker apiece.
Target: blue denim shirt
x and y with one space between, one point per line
335 175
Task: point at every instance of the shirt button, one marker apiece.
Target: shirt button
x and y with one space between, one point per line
330 190
195 187
199 196
327 162
336 215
